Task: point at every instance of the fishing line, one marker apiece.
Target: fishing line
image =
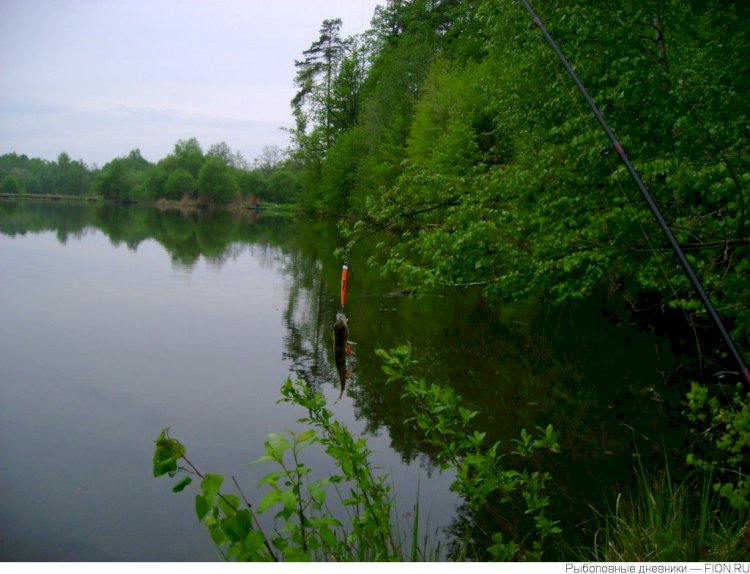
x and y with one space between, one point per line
587 119
646 195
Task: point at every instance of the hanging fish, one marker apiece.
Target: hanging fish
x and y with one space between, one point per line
341 349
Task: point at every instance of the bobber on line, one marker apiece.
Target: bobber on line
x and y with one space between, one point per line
344 284
341 346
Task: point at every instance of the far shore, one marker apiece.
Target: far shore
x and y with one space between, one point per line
185 205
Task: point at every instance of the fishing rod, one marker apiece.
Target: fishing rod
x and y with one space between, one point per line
646 195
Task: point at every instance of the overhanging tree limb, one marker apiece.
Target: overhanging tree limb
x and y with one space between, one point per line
646 195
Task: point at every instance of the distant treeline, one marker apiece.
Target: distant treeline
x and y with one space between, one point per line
217 176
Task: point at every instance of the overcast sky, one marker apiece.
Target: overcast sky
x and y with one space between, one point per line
98 78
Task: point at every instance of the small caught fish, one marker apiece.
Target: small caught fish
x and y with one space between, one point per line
341 349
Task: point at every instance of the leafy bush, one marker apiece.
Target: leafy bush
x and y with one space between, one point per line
306 529
483 479
724 430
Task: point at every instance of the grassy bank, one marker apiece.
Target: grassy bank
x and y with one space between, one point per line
661 520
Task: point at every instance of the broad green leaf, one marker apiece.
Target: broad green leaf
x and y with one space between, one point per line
271 479
211 484
229 503
306 435
288 499
164 466
271 498
275 445
202 506
238 526
317 493
180 486
217 533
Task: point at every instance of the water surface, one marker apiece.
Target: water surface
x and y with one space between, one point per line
118 321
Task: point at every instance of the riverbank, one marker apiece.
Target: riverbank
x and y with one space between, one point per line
185 205
51 197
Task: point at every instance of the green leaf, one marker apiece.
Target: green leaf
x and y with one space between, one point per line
288 499
305 436
327 535
180 486
202 506
211 484
317 493
264 458
271 498
229 503
238 526
271 478
167 465
168 452
217 533
275 445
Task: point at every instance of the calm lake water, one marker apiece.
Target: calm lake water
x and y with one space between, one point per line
116 322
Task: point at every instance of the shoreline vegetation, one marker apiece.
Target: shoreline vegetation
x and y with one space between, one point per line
506 515
450 126
185 205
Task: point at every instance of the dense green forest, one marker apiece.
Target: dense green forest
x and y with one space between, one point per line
454 125
217 176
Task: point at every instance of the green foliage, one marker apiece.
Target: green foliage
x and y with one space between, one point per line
216 182
282 187
661 521
316 74
306 529
187 154
252 184
16 167
155 182
723 425
122 178
21 174
339 174
179 184
10 184
368 496
72 177
474 148
166 455
483 480
216 177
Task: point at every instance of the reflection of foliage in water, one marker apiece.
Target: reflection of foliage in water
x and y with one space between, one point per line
309 312
214 236
605 384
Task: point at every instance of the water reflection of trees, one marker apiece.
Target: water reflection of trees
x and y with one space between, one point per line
301 250
608 386
214 236
309 312
304 343
20 218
